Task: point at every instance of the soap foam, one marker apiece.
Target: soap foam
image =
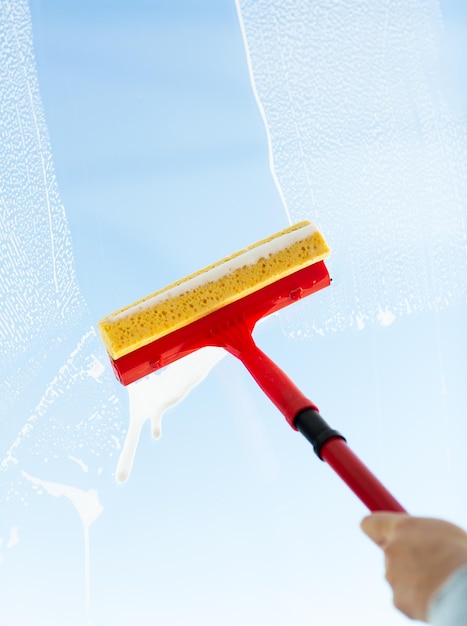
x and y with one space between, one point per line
87 506
57 398
153 395
364 140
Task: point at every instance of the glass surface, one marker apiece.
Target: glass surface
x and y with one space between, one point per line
142 141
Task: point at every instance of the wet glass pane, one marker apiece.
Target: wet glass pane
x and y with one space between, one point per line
142 141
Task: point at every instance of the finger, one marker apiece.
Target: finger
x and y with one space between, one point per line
380 527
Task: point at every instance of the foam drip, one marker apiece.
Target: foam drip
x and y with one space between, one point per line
87 506
152 396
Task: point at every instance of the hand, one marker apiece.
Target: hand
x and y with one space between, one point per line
421 554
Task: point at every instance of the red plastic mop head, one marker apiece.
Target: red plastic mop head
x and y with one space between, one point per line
215 329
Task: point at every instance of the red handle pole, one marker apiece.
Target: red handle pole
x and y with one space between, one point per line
272 380
358 477
303 415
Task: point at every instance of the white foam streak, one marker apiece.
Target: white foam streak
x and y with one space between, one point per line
386 317
14 538
152 396
86 503
87 506
262 113
79 462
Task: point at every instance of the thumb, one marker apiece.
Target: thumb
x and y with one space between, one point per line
380 527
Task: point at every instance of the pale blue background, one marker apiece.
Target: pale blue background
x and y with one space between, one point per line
162 165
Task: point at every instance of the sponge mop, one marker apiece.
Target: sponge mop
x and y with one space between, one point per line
219 306
222 283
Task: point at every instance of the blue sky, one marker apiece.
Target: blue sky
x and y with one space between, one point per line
165 131
161 160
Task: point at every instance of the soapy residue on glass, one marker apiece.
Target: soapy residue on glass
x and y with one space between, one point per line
41 302
11 543
87 506
152 396
365 142
57 399
58 407
45 429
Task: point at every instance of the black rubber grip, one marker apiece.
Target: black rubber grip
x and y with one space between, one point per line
312 426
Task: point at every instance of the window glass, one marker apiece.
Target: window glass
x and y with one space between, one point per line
143 141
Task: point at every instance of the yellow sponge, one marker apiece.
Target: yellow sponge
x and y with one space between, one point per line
211 288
